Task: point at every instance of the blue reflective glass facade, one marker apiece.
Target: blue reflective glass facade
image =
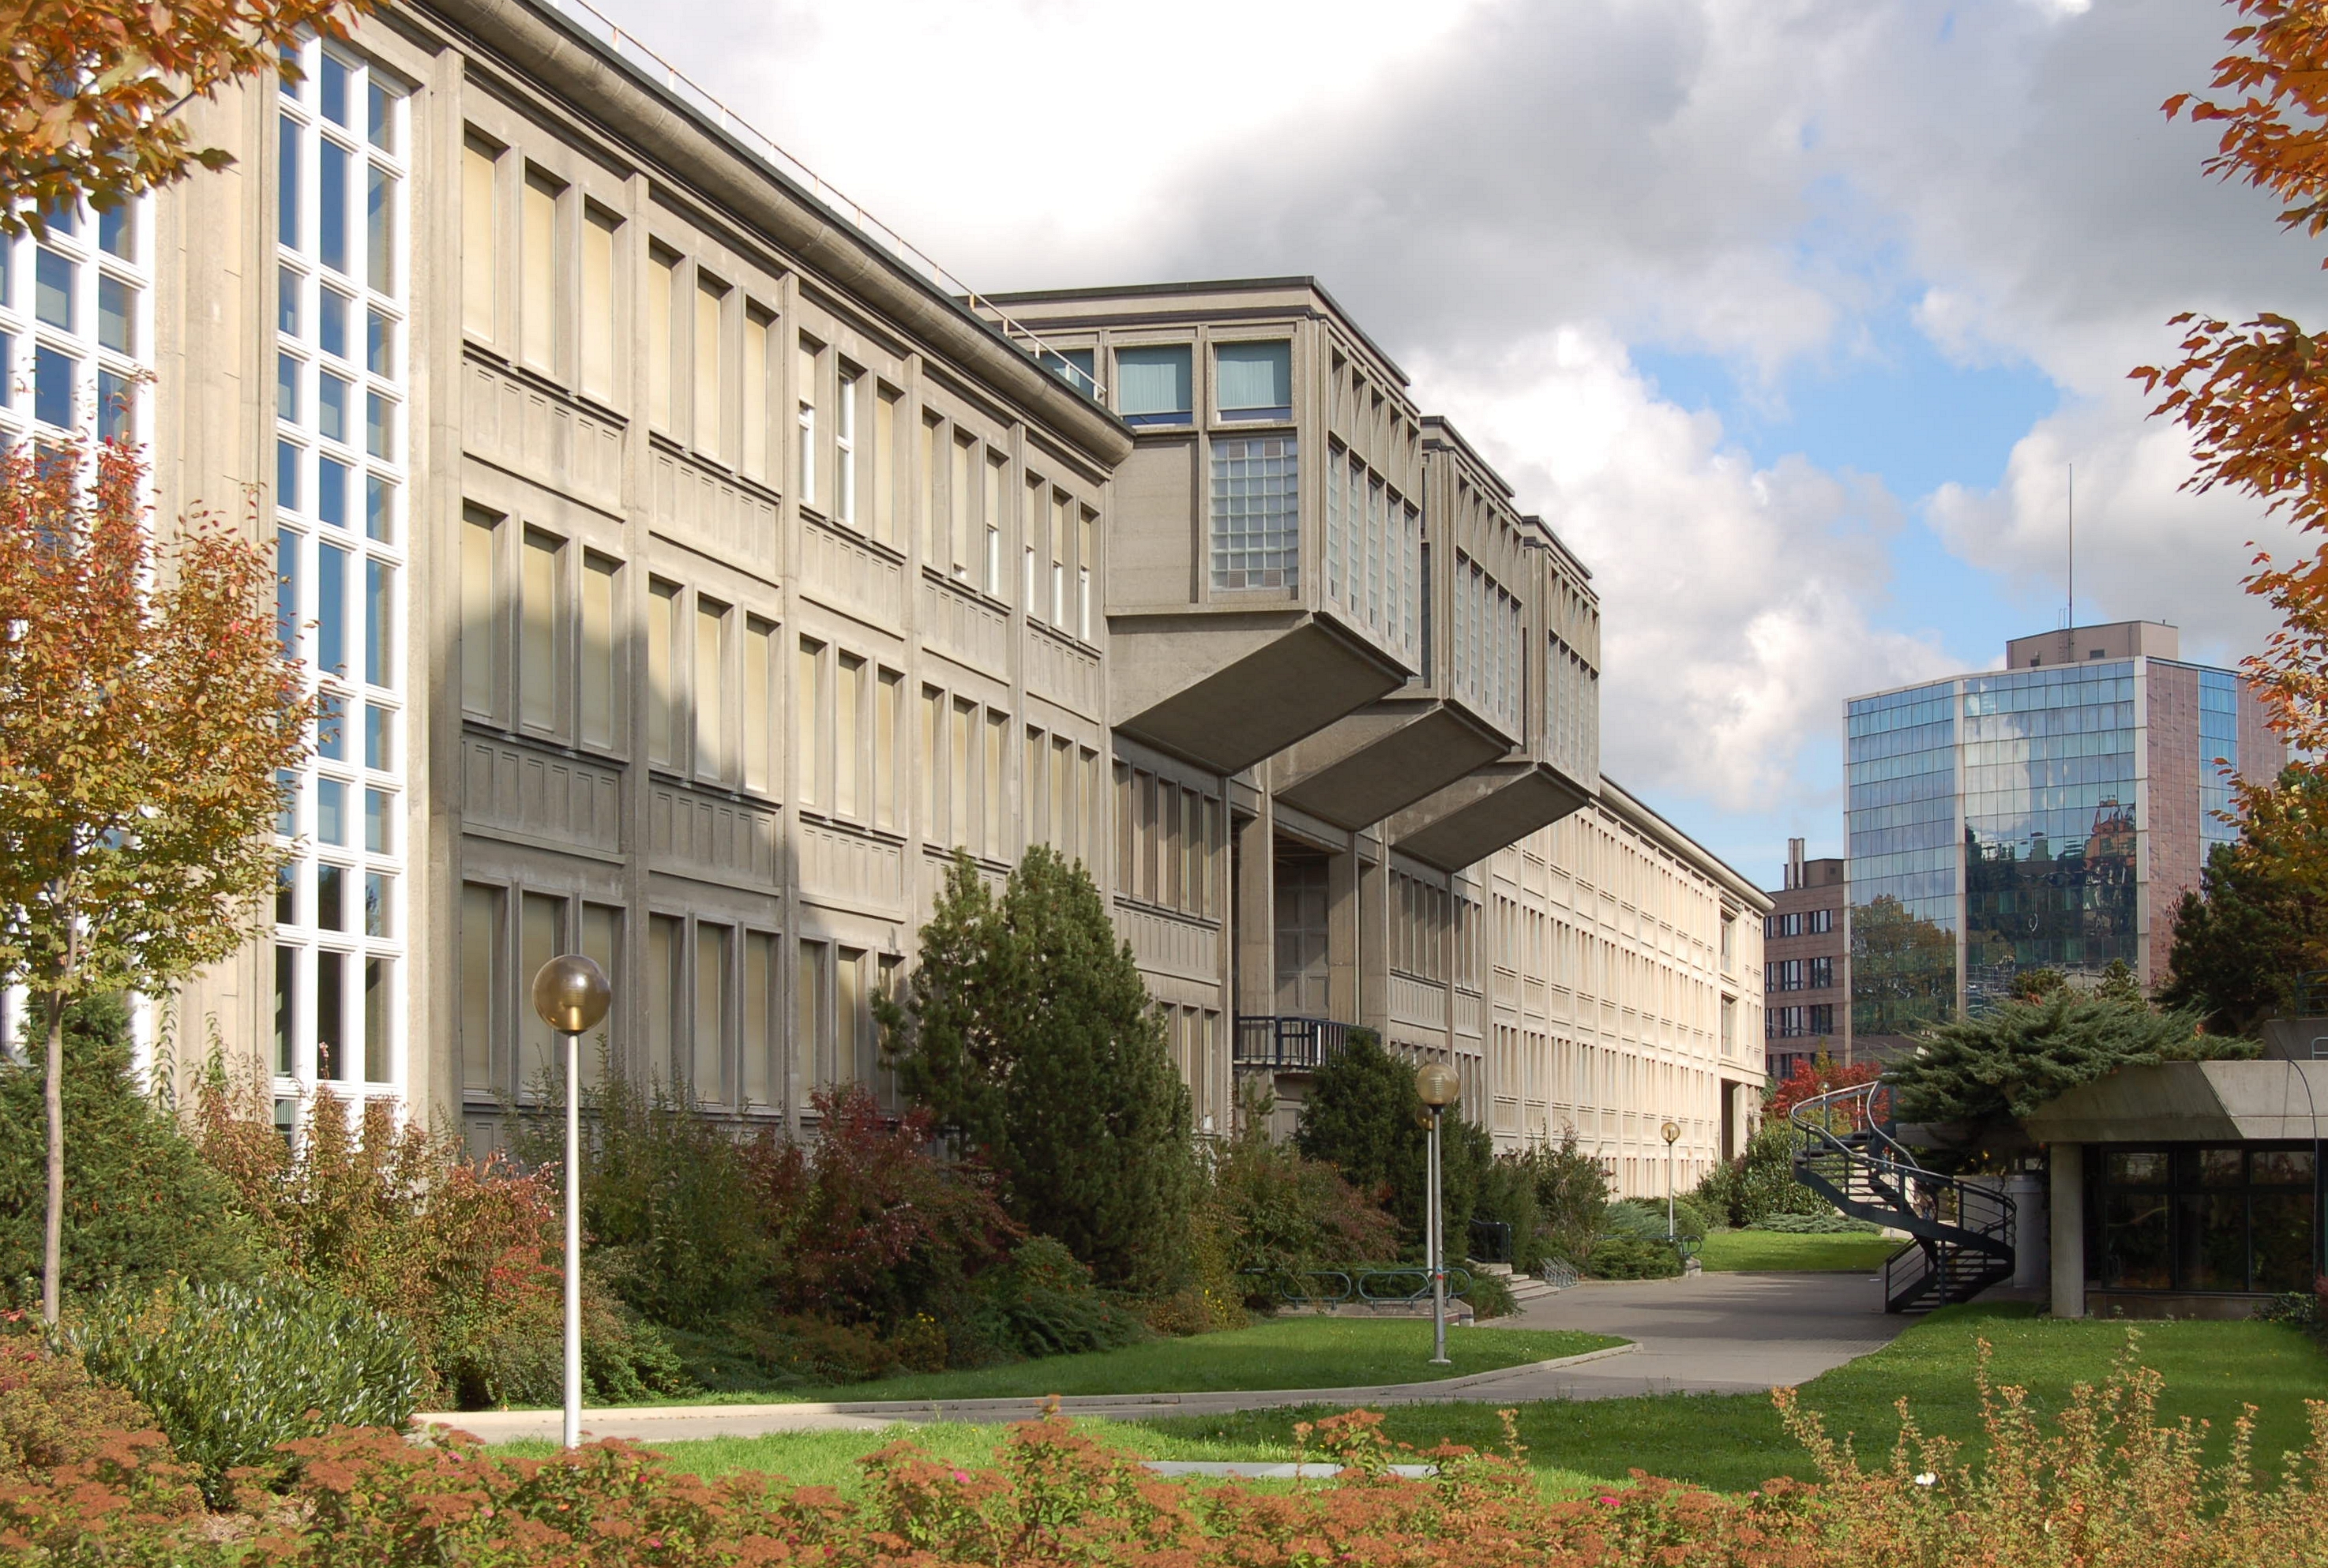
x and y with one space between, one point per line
2219 742
1901 769
2051 841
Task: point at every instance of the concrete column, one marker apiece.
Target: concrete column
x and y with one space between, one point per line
1372 953
1255 918
2068 1229
1343 939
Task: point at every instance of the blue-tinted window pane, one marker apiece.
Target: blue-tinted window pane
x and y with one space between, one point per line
286 1012
331 896
7 361
380 623
286 388
376 910
286 301
116 232
286 896
287 591
117 310
287 820
332 205
1073 366
287 184
332 610
380 425
1256 379
380 738
330 812
53 375
63 217
1154 385
52 289
380 122
332 395
332 89
378 823
287 475
332 322
379 230
380 344
331 727
114 407
379 508
7 272
332 491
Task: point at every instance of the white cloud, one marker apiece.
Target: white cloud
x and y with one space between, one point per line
1735 600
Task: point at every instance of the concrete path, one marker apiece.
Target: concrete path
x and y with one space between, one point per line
1707 1334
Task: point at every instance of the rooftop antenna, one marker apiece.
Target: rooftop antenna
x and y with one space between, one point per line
2069 626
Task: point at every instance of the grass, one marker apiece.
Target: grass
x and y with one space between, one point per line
1728 1442
1287 1353
1762 1251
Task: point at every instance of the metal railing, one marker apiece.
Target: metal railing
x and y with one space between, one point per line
1962 1232
1491 1241
1287 1045
1395 1284
586 18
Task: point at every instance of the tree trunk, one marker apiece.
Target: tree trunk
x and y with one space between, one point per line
53 1234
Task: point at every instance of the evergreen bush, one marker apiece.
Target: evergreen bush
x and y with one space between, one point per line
1758 1184
1815 1225
1282 1215
1364 1117
1507 1197
141 1206
1028 1032
1623 1255
1645 1217
231 1370
1572 1190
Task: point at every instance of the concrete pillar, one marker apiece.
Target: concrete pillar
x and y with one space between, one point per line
1255 916
2068 1229
1372 953
1343 939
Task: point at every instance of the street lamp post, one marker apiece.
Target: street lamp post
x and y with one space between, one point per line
571 993
1669 1132
1439 1088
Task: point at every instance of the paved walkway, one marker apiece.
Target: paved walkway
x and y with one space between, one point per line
1707 1334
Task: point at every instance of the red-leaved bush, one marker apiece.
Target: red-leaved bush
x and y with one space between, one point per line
2105 1484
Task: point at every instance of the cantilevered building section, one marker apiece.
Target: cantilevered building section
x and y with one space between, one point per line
692 569
2046 815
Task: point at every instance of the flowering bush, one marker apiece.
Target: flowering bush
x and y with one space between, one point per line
53 1413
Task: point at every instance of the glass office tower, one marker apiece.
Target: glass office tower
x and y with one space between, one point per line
2047 815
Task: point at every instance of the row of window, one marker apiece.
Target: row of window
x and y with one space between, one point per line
1155 384
1374 552
1572 711
1420 924
1799 974
1798 1023
72 312
1485 660
1799 923
1168 844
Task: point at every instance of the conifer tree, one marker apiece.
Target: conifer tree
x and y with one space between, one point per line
1027 1029
1363 1116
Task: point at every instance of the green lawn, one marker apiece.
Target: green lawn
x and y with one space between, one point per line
1730 1441
1737 1251
1287 1353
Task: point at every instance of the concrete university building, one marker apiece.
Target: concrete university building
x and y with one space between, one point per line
691 566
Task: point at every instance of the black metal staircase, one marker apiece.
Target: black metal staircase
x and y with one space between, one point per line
1961 1234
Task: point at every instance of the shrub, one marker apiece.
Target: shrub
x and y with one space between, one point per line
1283 1214
1041 1303
53 1413
1815 1225
1489 1296
1507 1197
232 1370
1758 1184
1624 1255
140 1204
1028 1029
1645 1217
1572 1190
1364 1118
1813 1077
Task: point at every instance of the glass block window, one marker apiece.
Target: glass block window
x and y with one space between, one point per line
1256 513
340 471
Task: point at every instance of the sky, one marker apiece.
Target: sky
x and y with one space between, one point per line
1793 317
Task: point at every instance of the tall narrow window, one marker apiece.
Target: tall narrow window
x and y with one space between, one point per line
989 561
808 760
848 692
844 446
709 1074
480 602
810 1054
759 1083
848 1015
932 765
885 465
886 716
962 829
1062 543
806 391
538 659
480 985
760 678
602 944
1087 552
711 758
480 253
538 301
936 550
541 923
754 401
662 673
1030 776
1030 533
960 502
662 281
666 1001
598 309
998 740
710 404
598 671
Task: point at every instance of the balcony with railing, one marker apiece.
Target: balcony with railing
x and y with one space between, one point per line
1264 560
1281 1043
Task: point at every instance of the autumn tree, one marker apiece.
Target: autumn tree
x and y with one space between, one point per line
145 709
89 101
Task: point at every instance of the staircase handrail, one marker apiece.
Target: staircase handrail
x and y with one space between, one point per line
1984 1219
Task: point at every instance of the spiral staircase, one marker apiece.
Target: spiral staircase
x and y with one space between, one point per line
1961 1234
